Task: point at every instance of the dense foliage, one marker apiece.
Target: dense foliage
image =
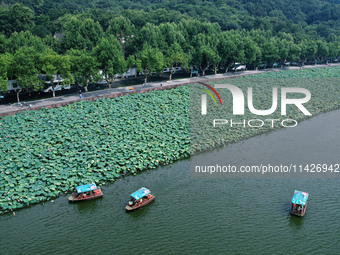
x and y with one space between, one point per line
48 152
230 14
322 83
51 151
153 35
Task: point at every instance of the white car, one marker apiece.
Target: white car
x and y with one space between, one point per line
58 88
239 67
102 82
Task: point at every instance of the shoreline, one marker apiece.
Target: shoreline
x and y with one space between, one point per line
137 89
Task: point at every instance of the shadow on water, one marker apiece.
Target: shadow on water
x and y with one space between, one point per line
84 206
285 208
295 221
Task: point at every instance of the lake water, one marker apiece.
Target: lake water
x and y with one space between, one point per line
195 215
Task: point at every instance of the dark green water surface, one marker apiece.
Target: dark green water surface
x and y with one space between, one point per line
191 215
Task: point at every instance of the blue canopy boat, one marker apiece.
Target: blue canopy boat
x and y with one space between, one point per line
139 198
299 203
86 192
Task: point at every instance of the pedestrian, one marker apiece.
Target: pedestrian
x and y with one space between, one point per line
161 84
80 94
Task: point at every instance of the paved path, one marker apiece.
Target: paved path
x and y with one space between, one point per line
119 91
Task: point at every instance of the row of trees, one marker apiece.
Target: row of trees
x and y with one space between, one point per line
202 45
229 14
26 63
85 46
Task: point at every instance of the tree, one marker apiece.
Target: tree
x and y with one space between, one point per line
252 52
5 62
207 57
270 51
322 50
132 62
3 44
334 49
91 32
175 57
227 50
53 43
169 35
121 28
25 68
152 60
294 52
84 67
308 50
110 58
16 18
149 34
205 53
54 65
80 34
24 38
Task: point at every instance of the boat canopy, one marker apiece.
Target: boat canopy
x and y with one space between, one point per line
140 193
87 187
300 197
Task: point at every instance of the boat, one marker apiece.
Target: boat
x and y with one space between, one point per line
139 198
86 192
299 203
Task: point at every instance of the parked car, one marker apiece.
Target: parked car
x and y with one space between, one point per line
102 82
238 67
263 65
57 88
321 62
311 62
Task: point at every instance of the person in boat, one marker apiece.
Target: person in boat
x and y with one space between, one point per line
293 207
132 202
299 208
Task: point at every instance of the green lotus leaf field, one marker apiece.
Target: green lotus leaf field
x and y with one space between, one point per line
49 152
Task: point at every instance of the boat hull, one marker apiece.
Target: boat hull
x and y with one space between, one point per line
96 195
139 205
296 213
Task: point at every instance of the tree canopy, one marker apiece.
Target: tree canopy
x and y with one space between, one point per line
117 35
